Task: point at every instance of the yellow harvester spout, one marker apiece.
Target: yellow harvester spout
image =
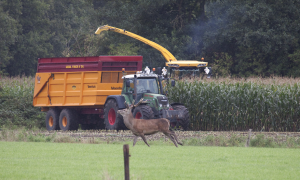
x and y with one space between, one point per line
167 55
171 60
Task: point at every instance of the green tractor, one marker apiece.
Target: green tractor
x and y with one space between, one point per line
146 85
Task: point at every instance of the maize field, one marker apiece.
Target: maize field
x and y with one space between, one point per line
239 105
261 104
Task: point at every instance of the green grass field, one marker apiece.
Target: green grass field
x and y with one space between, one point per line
29 160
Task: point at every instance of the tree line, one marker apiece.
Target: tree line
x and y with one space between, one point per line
237 38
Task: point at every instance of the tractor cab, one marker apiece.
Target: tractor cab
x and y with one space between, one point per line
141 85
147 85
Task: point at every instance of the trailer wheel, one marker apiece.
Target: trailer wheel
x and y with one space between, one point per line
143 112
185 122
52 120
68 120
113 120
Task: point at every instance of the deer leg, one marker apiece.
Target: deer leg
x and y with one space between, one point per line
134 140
143 137
170 137
175 137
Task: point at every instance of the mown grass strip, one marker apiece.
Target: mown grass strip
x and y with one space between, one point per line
25 160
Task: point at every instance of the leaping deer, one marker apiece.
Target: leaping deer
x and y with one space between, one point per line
142 127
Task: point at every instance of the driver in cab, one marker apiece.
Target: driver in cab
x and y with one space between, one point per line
140 88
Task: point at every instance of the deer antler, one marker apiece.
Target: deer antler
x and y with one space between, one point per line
141 101
127 106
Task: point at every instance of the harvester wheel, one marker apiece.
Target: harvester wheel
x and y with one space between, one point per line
68 120
52 119
183 123
113 120
143 112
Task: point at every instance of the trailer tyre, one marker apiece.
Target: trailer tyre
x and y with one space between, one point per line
185 122
68 120
113 120
143 112
52 120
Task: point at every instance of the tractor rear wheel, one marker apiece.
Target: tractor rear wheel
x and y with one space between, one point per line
185 122
113 120
52 119
68 120
143 112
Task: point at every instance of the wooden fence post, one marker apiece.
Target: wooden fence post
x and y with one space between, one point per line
126 160
248 140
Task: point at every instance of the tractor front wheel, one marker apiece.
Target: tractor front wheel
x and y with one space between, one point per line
143 112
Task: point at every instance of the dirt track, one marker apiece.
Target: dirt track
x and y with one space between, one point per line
122 135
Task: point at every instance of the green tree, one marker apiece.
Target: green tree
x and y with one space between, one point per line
47 28
33 34
259 35
8 33
71 23
166 22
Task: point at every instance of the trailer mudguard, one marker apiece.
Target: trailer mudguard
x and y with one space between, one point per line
119 99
